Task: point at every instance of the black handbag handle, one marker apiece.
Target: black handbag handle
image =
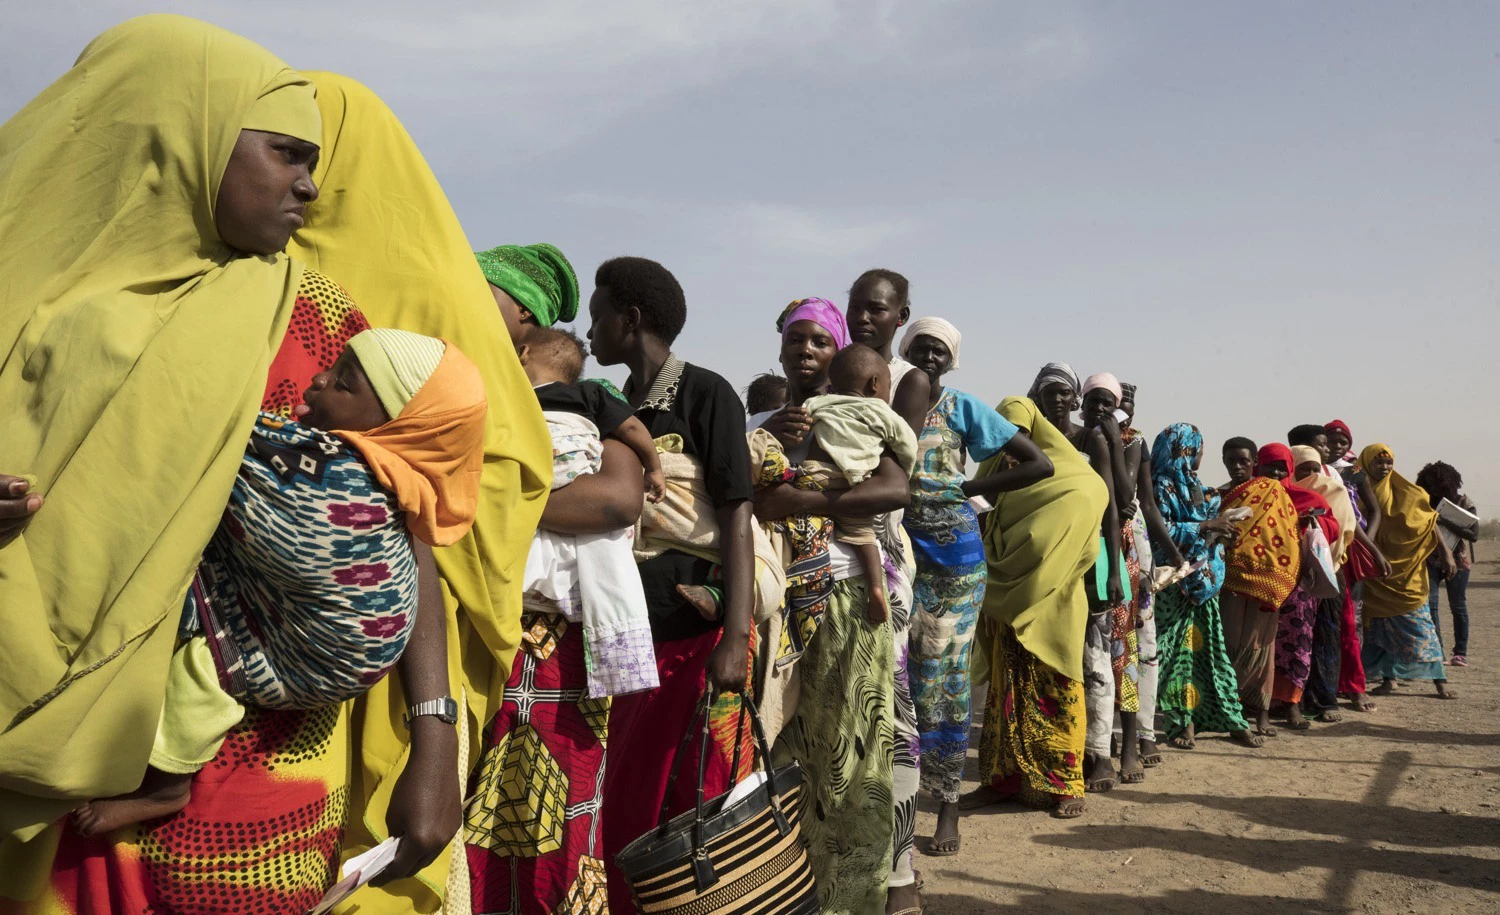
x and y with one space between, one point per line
704 704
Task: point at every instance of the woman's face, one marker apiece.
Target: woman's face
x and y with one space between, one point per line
1057 401
874 313
1239 463
806 350
610 331
1096 404
266 188
1276 470
1338 443
1309 469
931 355
1381 467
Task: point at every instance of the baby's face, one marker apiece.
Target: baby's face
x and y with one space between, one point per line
341 398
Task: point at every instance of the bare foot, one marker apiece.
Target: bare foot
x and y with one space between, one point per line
1444 692
1131 770
1184 742
702 599
1245 738
1294 719
1098 773
1385 688
904 899
1150 754
1263 724
945 838
1362 703
160 794
1330 715
985 796
1068 807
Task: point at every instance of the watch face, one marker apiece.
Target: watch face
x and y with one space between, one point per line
449 714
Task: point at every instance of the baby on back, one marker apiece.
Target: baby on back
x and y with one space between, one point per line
853 427
307 594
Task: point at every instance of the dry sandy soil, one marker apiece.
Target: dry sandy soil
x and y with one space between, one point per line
1393 811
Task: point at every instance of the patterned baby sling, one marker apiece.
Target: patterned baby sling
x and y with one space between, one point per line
307 592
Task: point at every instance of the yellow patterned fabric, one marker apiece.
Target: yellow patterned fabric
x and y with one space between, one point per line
1407 536
121 309
1266 558
384 228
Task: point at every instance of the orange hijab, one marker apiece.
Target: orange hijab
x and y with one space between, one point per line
430 455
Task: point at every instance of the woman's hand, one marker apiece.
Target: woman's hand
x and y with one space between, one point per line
1385 564
17 504
729 664
789 425
1219 526
779 501
427 804
1114 590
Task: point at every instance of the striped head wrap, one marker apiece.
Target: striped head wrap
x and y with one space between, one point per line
1055 373
397 362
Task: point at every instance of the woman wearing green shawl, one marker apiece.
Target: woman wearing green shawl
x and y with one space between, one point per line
532 284
1039 542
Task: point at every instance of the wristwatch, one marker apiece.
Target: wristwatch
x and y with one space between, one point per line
444 709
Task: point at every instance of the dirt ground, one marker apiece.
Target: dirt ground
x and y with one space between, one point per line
1393 811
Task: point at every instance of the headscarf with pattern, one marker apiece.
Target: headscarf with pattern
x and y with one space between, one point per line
537 276
1055 373
1175 480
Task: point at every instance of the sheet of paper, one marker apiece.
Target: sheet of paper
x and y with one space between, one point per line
358 871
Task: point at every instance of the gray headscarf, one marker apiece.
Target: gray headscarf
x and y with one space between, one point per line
1055 373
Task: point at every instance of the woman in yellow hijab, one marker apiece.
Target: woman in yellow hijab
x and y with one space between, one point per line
1401 642
147 193
385 229
1039 542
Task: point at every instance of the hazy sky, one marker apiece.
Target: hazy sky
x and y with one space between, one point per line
1261 213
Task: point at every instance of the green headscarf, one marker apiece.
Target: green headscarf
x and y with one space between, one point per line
537 276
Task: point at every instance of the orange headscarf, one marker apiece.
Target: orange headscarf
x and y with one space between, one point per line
430 455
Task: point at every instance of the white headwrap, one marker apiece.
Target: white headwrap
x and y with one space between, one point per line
936 328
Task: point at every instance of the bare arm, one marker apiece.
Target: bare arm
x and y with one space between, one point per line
1103 464
1032 466
886 490
728 663
1156 525
913 398
1373 514
426 805
634 433
597 503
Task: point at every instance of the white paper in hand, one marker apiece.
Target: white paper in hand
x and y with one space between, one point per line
358 871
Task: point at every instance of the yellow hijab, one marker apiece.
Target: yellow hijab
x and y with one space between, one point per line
1407 536
1039 542
384 229
126 324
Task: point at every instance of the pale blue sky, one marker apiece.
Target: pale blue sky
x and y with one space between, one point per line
1262 213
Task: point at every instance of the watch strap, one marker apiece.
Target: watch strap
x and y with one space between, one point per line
444 708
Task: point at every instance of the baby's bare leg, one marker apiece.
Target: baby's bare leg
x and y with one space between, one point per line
879 609
160 794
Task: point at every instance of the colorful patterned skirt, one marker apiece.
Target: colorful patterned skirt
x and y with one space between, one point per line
842 735
532 830
1404 648
946 603
1034 727
1294 646
1197 683
262 834
1321 693
645 736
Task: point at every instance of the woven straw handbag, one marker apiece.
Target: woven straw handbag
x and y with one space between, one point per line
743 858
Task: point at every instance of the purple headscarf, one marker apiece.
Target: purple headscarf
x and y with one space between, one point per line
821 312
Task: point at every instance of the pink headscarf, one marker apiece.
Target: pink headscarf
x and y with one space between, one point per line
821 312
1106 381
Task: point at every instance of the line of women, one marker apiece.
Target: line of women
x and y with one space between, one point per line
193 231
